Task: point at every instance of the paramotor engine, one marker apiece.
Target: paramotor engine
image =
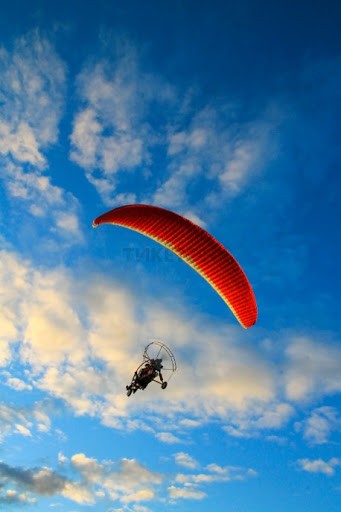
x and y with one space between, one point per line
158 366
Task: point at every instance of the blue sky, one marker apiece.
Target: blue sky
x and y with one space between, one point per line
227 113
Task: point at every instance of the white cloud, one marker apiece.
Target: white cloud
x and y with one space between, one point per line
62 458
270 416
52 329
319 425
32 95
253 147
126 481
109 133
75 385
42 198
141 495
140 508
198 478
68 222
114 133
24 421
215 468
13 285
65 328
189 423
168 438
32 88
86 138
213 153
12 497
42 481
78 493
43 421
131 482
319 465
82 339
17 384
184 459
187 484
185 493
22 145
280 440
215 473
89 468
313 368
22 430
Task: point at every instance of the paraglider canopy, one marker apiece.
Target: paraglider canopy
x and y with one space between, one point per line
197 248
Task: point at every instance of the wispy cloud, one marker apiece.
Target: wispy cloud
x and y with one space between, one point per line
54 212
115 133
215 473
17 384
112 133
94 325
272 416
212 473
318 427
32 97
319 466
212 152
125 481
28 421
82 317
40 482
313 368
128 481
32 93
12 497
177 493
184 459
168 438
